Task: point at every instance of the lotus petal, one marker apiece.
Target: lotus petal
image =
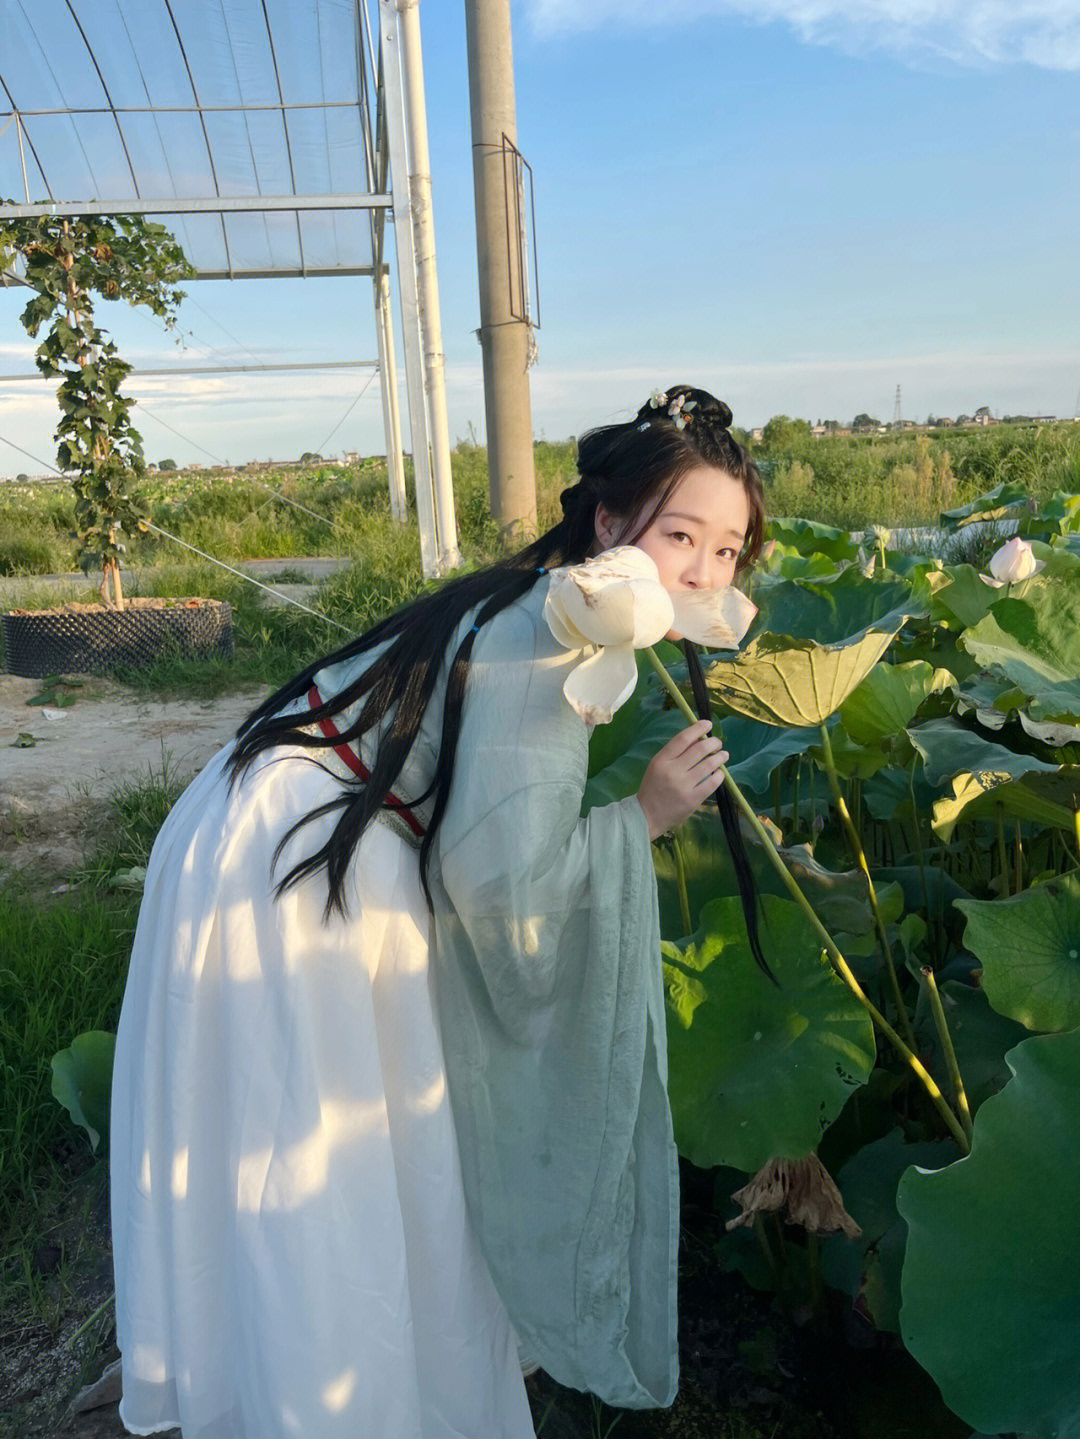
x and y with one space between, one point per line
596 687
615 598
717 619
561 627
633 612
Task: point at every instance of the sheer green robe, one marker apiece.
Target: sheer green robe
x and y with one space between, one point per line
548 982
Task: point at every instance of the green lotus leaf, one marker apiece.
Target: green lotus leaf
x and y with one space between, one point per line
838 897
1038 797
833 608
651 730
805 567
757 1072
960 596
81 1080
928 891
797 682
1005 501
1057 515
889 697
992 1269
852 760
981 1037
1060 558
948 749
897 793
1030 951
990 696
807 537
609 741
756 749
1033 637
869 1114
869 1267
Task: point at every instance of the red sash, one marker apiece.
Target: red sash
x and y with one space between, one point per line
358 767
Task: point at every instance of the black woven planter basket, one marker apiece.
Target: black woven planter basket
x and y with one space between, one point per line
49 642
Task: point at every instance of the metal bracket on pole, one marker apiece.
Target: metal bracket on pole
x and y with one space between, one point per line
394 104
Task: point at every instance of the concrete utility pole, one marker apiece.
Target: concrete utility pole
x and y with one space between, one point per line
504 336
412 67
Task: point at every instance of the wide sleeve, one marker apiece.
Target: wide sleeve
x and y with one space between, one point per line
549 993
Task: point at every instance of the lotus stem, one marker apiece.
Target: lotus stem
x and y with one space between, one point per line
1076 827
1019 860
680 884
839 963
758 1227
860 859
1003 853
938 1011
796 815
817 1287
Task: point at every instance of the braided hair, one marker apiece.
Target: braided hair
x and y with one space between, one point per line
629 468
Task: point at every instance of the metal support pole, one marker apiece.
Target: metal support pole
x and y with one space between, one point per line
504 337
395 466
412 69
394 102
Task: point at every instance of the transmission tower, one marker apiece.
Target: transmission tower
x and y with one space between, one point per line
897 421
1076 412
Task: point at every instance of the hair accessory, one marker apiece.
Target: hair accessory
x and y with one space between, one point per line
679 408
645 426
475 630
540 570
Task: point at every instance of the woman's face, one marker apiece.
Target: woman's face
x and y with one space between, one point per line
696 538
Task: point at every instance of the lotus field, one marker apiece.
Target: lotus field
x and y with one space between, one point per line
905 742
897 1122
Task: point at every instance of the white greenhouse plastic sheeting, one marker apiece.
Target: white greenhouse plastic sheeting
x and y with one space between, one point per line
195 99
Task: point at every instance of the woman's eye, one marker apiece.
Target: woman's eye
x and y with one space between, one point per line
680 535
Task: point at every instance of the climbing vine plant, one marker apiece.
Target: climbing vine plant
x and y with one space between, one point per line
69 262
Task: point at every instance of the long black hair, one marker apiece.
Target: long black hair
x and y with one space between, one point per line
631 469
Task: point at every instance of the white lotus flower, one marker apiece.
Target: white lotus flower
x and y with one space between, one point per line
616 603
1013 561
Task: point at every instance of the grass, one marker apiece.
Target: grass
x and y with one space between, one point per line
62 971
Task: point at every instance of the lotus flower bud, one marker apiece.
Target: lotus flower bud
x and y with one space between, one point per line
1015 561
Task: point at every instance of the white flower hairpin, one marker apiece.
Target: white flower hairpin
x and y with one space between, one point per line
617 603
679 408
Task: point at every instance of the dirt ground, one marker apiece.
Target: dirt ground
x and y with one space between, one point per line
52 790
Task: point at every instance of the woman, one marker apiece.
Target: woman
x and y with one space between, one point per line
389 1097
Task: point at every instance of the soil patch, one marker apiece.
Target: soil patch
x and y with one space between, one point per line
59 762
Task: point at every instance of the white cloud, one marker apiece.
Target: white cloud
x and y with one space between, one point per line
1045 33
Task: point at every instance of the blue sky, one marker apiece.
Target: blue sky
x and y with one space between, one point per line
799 204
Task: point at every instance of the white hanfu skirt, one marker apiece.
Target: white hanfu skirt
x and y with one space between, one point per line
292 1249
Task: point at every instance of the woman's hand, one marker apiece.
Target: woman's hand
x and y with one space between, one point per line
681 777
